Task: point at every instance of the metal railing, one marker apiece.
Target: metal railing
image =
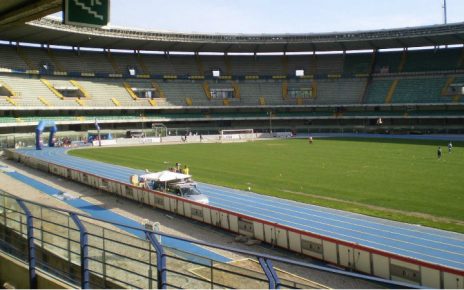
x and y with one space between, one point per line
88 252
430 30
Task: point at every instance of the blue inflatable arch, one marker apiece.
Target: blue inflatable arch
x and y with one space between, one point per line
38 133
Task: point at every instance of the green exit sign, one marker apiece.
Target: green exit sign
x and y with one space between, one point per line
93 13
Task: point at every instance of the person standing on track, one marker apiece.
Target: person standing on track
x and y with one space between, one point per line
439 152
450 147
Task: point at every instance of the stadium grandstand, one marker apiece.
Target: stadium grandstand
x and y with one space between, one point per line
81 79
339 82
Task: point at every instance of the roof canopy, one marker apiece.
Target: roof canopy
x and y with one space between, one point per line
53 32
20 11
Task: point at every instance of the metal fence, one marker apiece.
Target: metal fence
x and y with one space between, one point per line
93 253
7 141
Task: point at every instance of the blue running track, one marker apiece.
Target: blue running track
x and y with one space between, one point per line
426 244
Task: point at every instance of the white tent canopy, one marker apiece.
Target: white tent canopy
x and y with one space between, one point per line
165 176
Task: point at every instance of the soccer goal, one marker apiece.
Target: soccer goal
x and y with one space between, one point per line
159 130
237 134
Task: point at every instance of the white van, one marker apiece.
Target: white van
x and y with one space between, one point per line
174 183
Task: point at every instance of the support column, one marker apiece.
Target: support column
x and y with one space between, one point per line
85 275
160 261
30 245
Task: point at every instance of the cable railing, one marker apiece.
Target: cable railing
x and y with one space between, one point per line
89 252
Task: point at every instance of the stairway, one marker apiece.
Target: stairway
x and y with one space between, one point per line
128 88
391 91
141 63
81 88
51 88
236 87
285 89
26 59
207 90
55 61
200 67
158 88
113 63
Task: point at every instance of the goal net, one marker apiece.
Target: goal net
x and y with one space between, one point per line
159 130
237 134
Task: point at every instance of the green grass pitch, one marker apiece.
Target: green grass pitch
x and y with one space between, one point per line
395 179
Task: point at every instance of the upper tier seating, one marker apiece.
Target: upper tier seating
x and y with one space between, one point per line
328 63
211 63
421 90
157 64
259 65
301 62
124 62
83 61
432 60
340 91
378 91
39 58
357 63
313 64
168 65
184 65
388 62
333 76
9 58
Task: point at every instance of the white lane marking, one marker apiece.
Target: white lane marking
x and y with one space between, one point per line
112 169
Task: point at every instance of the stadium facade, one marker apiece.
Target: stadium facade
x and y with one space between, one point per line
338 82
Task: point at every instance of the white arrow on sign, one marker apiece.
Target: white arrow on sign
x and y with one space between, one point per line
89 9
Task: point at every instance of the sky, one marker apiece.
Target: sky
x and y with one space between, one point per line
280 16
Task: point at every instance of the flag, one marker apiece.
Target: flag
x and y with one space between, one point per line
96 125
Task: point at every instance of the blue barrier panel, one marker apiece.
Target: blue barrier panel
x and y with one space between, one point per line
160 261
85 276
30 245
